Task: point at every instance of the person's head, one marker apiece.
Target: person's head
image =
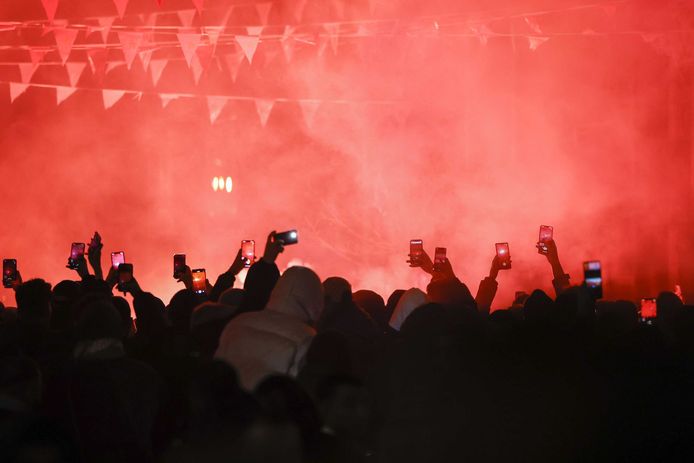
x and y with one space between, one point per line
668 306
260 281
575 308
337 290
392 301
232 297
34 301
150 315
372 304
283 400
123 309
451 293
410 300
298 293
427 322
99 319
65 294
181 307
538 308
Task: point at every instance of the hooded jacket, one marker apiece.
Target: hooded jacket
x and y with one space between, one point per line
275 340
410 300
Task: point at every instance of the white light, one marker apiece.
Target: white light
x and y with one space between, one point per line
292 234
229 184
215 183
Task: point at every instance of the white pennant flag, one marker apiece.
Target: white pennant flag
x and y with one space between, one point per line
110 66
333 30
216 104
74 72
535 42
166 99
112 97
264 108
156 67
16 90
309 109
189 45
249 44
105 27
233 62
63 93
186 17
26 71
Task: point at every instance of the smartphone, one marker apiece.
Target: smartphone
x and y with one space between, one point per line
546 234
248 252
199 280
592 275
9 272
76 253
439 258
504 254
648 309
117 258
125 273
416 252
179 265
288 237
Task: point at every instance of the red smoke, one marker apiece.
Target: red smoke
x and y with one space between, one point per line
429 133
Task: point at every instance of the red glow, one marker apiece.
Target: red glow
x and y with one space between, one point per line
362 141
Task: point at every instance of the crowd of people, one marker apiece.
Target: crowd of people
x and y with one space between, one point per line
293 368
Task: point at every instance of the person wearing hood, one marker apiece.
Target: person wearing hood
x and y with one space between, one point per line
409 301
275 340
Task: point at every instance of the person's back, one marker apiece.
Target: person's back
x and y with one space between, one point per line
276 339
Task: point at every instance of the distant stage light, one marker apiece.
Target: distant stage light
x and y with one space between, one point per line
229 184
215 184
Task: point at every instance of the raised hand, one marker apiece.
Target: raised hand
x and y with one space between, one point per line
273 248
496 266
423 260
186 277
238 264
94 255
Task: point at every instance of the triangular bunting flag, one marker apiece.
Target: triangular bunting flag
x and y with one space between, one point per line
216 104
166 99
97 60
288 49
105 27
482 32
156 67
51 6
309 109
16 89
264 108
65 39
535 42
146 57
532 24
333 30
263 11
63 93
26 71
255 30
121 5
55 24
131 43
248 44
233 62
196 69
74 72
113 65
112 97
205 54
198 5
186 17
213 33
189 44
36 55
149 20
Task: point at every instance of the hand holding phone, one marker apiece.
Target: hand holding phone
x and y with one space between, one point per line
439 259
125 277
416 254
248 252
199 280
592 276
288 237
117 258
503 254
546 235
273 247
179 265
10 275
76 255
